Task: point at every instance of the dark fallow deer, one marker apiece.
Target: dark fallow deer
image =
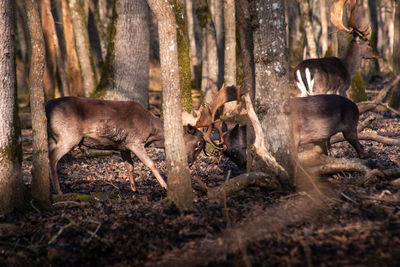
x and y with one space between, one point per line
109 125
314 120
333 75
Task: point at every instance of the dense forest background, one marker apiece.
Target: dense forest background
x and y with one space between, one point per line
329 210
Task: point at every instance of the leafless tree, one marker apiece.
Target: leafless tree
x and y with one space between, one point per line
179 183
40 159
11 186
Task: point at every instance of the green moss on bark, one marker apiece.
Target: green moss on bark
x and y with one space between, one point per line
357 90
183 57
107 72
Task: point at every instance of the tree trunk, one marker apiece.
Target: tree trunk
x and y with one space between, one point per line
246 46
394 100
50 59
272 97
51 31
324 26
179 183
11 186
126 70
230 49
218 18
194 48
183 56
83 48
40 159
209 58
74 70
305 13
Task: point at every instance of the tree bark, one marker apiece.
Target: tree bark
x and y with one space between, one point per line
209 58
83 48
183 56
50 59
305 12
218 18
40 159
246 46
126 70
51 31
179 183
194 48
11 186
230 49
394 100
272 97
74 70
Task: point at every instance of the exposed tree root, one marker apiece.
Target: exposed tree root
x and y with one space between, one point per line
258 148
238 183
373 136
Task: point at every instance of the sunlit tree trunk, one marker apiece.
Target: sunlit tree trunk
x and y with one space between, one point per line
394 100
218 18
305 13
83 48
230 49
179 183
324 26
40 159
272 97
50 59
74 70
11 186
51 33
125 73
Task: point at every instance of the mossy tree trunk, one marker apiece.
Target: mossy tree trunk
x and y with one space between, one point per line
83 48
125 74
40 159
11 186
272 97
179 182
185 76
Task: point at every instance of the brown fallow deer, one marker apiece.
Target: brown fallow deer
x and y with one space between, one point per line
333 75
109 125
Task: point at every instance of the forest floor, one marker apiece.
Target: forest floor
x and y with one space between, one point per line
101 222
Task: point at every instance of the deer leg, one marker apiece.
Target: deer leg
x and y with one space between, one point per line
351 137
140 152
126 157
56 152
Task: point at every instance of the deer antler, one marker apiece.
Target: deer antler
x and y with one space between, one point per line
337 16
207 112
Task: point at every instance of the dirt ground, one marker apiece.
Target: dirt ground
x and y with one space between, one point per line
101 222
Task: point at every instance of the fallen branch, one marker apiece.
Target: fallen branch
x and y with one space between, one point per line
242 181
369 105
362 125
373 136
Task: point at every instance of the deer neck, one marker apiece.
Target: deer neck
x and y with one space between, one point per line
352 59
